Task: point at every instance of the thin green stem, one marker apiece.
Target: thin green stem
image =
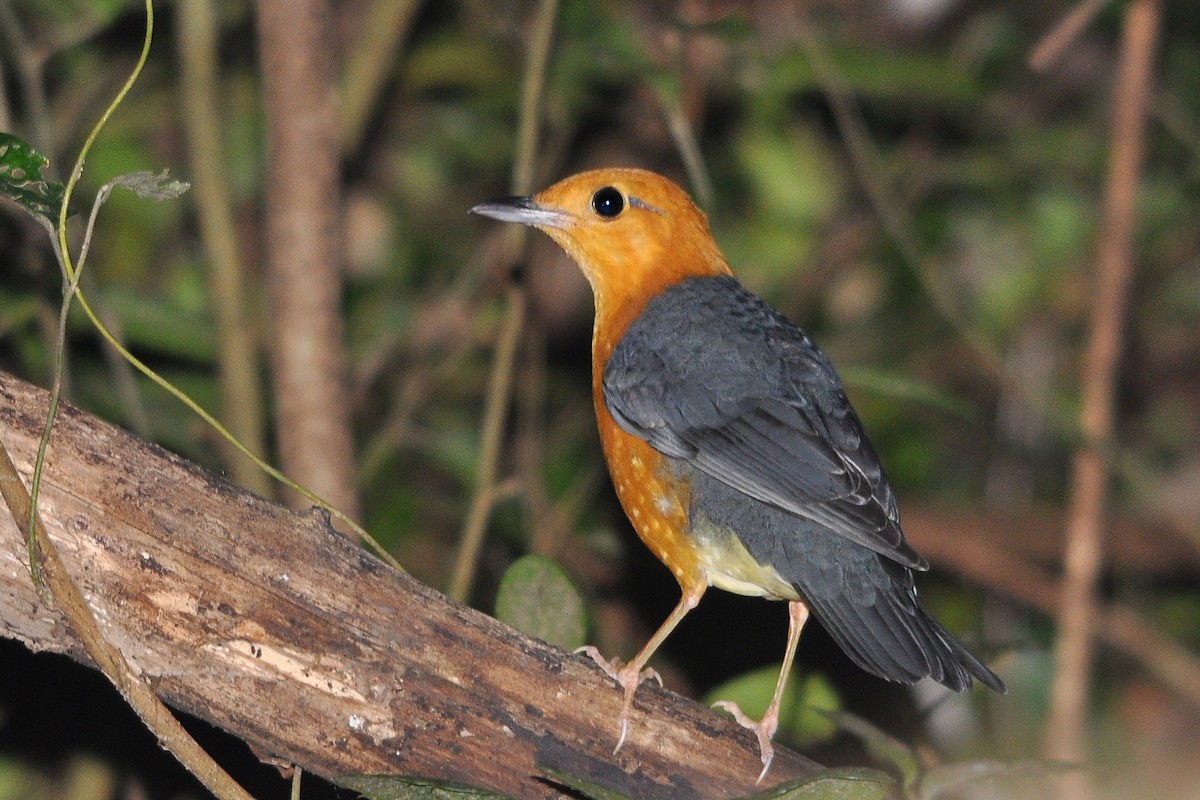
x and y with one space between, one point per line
71 290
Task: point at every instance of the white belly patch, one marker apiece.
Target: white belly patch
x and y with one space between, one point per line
729 566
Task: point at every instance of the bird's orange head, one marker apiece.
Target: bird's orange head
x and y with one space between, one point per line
633 234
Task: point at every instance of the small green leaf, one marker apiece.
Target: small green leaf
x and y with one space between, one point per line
803 712
21 179
844 783
397 787
882 747
536 596
149 186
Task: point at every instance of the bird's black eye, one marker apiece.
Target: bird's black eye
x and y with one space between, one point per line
608 203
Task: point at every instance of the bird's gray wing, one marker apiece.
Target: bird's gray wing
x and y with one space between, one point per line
710 375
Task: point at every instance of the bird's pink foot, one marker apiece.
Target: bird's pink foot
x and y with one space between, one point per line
629 678
764 729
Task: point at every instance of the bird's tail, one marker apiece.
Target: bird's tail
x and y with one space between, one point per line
870 608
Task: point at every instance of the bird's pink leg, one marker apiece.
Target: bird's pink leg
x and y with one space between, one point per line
765 728
633 674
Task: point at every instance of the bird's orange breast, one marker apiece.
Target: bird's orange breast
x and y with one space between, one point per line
654 499
653 496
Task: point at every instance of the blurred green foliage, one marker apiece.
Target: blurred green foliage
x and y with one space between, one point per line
994 171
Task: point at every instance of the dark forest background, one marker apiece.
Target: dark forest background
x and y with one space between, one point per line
928 188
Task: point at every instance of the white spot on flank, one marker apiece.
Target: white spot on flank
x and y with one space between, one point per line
357 723
664 504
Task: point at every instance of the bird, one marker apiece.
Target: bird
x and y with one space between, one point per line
731 444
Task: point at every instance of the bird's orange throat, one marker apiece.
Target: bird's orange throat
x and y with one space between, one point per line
626 272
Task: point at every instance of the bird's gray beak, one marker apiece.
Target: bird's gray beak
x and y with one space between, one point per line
523 210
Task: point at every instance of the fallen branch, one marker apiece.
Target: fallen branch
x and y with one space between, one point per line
136 691
278 629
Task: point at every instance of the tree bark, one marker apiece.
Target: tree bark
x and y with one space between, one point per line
304 243
272 625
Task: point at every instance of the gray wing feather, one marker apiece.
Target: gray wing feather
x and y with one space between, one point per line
709 374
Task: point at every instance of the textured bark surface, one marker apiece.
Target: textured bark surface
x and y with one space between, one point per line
273 626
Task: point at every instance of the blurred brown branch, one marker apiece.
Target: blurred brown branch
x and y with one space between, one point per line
966 543
237 337
1062 35
369 65
304 249
1066 728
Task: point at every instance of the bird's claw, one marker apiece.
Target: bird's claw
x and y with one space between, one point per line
628 679
611 668
764 729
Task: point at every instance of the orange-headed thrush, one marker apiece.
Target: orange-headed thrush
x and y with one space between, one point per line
730 441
